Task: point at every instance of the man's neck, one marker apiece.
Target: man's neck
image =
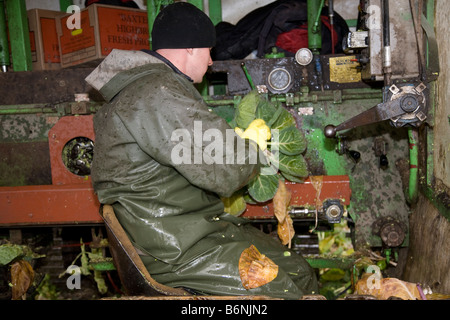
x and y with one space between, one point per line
167 58
176 56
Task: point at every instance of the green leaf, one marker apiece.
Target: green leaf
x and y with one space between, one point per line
333 274
265 110
292 178
275 116
9 252
246 109
84 261
235 204
263 187
291 141
233 123
292 165
249 199
284 120
101 284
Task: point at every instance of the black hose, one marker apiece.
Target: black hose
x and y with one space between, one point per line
331 16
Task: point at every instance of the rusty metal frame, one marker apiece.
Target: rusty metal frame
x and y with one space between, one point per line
305 195
49 205
71 200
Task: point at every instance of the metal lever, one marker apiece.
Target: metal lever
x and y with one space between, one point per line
403 102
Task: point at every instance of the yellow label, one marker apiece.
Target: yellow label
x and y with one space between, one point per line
76 32
343 70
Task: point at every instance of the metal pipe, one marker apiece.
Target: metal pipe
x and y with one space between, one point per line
215 11
386 24
313 96
318 14
64 4
413 165
197 3
19 35
153 8
27 109
331 16
387 61
152 12
4 47
64 108
217 103
247 75
314 30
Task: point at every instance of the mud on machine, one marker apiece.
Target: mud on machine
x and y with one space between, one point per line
361 112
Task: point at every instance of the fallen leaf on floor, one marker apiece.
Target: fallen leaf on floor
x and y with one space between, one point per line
22 276
382 289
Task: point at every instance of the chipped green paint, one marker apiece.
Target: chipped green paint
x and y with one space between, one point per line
376 193
325 151
24 128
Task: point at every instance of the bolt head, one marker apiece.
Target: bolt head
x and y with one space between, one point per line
330 131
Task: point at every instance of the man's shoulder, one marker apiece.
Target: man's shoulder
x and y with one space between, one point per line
158 77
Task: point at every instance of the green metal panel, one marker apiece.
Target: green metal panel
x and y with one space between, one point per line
341 263
376 192
64 4
152 12
197 3
215 11
19 35
413 164
153 8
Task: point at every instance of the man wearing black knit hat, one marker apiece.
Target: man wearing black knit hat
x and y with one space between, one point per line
151 163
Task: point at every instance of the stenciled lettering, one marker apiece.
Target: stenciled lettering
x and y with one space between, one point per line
134 18
131 29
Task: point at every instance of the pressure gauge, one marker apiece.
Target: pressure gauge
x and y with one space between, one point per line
279 79
303 56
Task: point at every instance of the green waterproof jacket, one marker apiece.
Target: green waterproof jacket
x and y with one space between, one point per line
163 160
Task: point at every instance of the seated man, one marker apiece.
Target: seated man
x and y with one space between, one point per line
150 164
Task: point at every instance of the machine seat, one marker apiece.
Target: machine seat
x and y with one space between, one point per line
133 274
135 278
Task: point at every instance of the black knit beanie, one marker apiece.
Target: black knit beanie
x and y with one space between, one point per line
182 25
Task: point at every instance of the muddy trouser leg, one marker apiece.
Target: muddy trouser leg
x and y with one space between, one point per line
215 267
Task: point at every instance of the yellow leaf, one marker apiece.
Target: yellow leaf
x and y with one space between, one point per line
385 288
255 269
326 244
286 231
281 202
234 205
257 131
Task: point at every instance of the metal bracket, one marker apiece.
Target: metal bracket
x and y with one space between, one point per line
407 105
